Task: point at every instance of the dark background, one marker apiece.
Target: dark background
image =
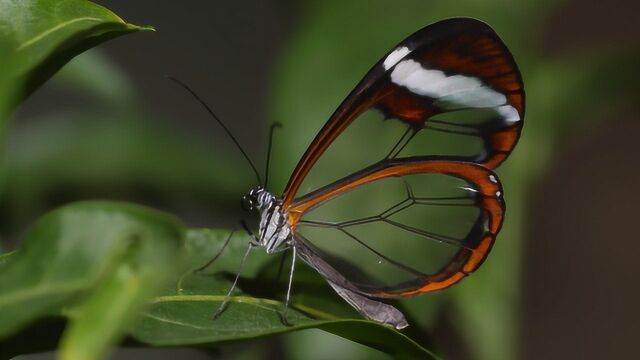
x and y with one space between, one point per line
578 293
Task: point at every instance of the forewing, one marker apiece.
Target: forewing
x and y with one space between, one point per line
438 231
450 90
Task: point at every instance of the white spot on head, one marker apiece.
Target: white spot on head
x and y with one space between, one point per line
395 56
493 179
509 113
456 89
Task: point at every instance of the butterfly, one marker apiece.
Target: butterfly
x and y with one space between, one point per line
450 106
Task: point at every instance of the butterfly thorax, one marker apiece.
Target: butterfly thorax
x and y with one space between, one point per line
274 230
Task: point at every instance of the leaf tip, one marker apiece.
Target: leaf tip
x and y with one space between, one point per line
143 27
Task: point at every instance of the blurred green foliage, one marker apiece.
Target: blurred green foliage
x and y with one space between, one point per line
96 262
100 283
334 46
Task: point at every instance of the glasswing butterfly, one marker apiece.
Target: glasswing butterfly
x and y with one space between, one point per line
450 106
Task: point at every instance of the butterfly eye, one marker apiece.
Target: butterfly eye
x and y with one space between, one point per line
246 203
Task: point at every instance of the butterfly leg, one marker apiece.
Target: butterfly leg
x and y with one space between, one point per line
285 311
235 282
201 268
213 259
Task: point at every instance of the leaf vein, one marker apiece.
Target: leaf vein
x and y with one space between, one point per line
43 34
174 322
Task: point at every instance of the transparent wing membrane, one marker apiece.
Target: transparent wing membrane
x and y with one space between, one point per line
397 234
365 142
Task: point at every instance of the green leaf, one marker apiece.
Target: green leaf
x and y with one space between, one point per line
37 37
116 255
95 262
183 314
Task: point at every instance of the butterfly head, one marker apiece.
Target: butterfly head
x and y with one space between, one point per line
257 199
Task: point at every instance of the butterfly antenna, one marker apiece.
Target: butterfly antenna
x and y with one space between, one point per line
266 170
235 141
